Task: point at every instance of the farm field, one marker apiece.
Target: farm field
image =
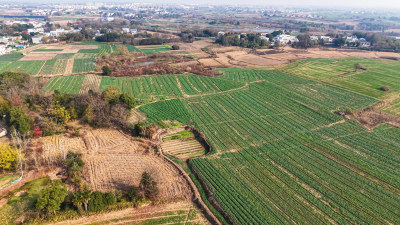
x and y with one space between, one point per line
30 67
182 145
281 156
83 65
146 87
54 66
116 161
69 84
169 85
152 49
377 73
341 72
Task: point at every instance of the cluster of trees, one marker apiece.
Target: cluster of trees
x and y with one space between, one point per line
190 35
253 41
56 196
28 111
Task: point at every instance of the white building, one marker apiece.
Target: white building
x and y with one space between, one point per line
37 39
351 39
133 31
285 39
221 33
108 19
314 38
125 29
327 39
35 30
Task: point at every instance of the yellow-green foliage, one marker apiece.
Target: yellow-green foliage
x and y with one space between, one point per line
8 157
111 93
61 114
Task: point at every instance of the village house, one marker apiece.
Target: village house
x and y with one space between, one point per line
327 39
37 39
221 33
351 39
285 39
125 29
364 43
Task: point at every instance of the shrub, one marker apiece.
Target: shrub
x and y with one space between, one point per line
96 202
19 120
148 186
128 100
384 88
111 94
109 199
52 196
106 70
175 47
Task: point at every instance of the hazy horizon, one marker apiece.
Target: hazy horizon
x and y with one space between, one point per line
389 4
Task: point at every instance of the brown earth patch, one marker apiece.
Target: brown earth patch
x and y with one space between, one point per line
39 56
371 117
114 160
70 66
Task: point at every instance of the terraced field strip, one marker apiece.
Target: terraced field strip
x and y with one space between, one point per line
47 50
169 213
183 149
146 87
91 82
54 66
30 67
153 49
11 57
83 65
70 84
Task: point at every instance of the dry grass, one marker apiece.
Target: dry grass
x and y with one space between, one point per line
116 161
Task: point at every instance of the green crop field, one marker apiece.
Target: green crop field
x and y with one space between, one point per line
83 65
11 57
102 48
68 84
64 56
152 49
282 156
132 48
54 66
30 67
47 50
169 85
340 72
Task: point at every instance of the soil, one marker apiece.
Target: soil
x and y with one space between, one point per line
70 66
39 56
242 57
372 117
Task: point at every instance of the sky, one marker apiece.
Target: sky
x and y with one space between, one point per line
338 3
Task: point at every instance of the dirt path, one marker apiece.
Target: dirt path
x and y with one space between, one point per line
134 215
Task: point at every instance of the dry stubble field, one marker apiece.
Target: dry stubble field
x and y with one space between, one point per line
114 160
